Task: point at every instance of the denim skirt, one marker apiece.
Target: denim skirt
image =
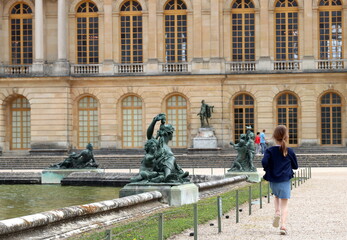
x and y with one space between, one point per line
281 189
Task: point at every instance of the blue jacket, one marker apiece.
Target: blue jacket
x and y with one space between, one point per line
277 167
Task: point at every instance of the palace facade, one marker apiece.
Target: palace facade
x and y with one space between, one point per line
80 71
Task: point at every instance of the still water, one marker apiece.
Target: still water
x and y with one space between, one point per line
21 200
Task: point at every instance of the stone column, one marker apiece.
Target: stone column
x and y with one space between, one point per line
37 67
306 36
61 66
108 65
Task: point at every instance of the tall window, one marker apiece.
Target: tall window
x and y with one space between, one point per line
287 114
88 124
286 38
177 116
131 32
87 33
330 29
175 31
132 122
331 119
20 124
21 27
243 29
243 114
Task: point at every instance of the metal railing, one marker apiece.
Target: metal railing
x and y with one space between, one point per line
240 66
286 65
329 64
253 194
174 67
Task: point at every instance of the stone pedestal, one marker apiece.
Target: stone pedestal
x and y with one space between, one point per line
54 176
251 176
205 139
173 194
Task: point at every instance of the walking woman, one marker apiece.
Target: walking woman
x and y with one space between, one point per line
278 163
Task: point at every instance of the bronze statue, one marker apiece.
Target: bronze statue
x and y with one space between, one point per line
245 153
159 164
85 159
205 113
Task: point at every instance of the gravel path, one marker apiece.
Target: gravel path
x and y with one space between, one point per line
317 210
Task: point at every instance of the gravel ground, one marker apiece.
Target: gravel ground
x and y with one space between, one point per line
317 210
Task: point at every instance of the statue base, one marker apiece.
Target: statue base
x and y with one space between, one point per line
54 176
251 176
205 139
173 194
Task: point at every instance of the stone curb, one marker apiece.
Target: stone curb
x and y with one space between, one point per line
41 219
221 182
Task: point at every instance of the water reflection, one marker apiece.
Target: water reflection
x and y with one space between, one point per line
21 200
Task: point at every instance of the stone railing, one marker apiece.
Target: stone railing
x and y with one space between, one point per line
88 69
69 214
174 67
21 70
329 64
240 66
286 65
130 68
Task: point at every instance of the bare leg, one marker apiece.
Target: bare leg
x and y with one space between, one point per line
277 206
284 212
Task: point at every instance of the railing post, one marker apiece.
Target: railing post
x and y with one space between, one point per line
295 179
220 208
237 206
108 234
161 226
260 195
195 221
249 200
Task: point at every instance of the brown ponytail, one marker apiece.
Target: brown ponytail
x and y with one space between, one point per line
280 135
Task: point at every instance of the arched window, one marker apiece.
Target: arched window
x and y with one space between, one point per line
20 124
88 123
131 32
243 114
287 114
175 12
132 122
21 27
286 32
176 107
331 119
330 29
243 30
87 33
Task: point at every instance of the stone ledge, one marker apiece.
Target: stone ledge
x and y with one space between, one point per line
9 226
173 194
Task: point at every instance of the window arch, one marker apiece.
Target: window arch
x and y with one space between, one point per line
88 122
176 108
87 33
175 14
132 122
21 27
287 114
243 30
20 112
243 114
331 119
330 30
131 32
286 32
